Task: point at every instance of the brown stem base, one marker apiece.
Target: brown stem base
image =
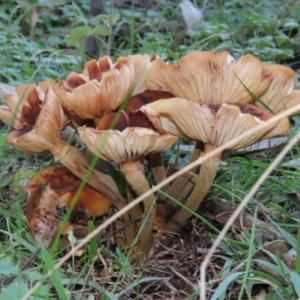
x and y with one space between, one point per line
205 179
157 168
134 172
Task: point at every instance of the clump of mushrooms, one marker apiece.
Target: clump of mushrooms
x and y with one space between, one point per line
131 110
40 121
132 138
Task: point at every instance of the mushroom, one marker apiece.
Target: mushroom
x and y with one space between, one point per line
27 98
128 148
131 116
111 94
208 78
207 84
103 86
212 126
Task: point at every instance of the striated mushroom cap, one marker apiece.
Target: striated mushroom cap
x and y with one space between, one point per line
291 100
40 129
103 86
212 126
280 94
210 78
26 100
129 145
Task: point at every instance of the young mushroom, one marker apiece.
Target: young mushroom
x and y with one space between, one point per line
128 148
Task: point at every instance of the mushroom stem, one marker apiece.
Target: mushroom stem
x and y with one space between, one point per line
156 165
134 172
205 179
183 185
78 162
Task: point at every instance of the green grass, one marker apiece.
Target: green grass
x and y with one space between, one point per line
267 29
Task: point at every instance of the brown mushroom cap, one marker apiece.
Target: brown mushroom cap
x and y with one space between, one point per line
61 187
210 78
44 223
131 116
44 133
24 104
95 69
91 98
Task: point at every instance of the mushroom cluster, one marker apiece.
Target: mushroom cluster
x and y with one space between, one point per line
127 113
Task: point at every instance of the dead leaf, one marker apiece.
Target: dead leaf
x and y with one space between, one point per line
220 210
56 187
90 203
294 197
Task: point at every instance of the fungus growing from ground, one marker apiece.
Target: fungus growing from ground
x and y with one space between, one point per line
128 148
104 86
216 104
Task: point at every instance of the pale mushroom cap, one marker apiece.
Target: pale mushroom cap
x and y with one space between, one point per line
129 145
281 85
6 116
46 132
210 78
139 64
216 127
93 99
20 94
